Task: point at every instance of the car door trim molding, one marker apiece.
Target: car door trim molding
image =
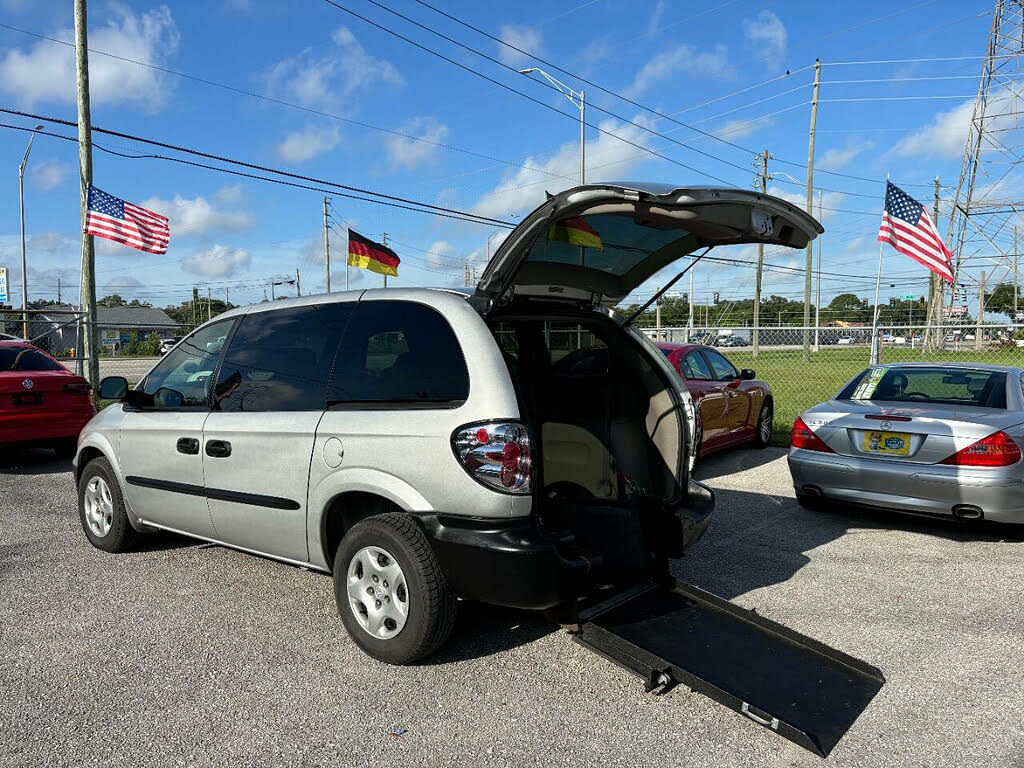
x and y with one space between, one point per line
217 494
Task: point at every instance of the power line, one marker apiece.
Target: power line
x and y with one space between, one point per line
285 103
391 200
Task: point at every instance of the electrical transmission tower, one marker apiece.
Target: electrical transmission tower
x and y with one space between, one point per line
989 198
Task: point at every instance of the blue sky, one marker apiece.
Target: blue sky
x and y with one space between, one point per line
719 66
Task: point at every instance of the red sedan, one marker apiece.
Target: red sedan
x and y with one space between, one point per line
41 401
734 407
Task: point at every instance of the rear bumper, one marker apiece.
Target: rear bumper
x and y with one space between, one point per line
508 563
41 426
919 489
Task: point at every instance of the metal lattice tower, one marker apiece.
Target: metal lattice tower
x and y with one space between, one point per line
990 193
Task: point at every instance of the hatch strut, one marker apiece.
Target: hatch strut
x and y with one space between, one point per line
670 283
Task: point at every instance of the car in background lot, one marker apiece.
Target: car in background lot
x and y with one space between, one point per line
166 345
923 438
41 402
733 405
732 341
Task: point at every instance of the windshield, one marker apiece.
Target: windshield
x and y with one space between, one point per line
25 359
607 242
940 385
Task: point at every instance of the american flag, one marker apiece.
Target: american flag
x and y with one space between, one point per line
122 222
907 227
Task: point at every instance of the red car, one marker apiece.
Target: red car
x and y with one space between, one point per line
734 407
41 401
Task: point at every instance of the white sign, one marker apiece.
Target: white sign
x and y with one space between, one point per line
111 334
954 311
3 285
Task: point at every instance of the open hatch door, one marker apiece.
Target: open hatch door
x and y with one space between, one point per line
803 690
599 242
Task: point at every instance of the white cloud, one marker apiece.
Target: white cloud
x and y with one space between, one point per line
440 255
596 51
324 81
946 134
230 194
767 34
525 38
836 157
681 59
45 72
735 129
121 284
299 146
217 261
48 174
829 200
607 158
408 153
197 216
654 22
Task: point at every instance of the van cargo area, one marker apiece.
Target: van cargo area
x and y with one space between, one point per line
611 472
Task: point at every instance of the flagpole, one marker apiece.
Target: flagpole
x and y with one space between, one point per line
878 281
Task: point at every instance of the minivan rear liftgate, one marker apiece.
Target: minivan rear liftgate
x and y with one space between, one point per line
678 634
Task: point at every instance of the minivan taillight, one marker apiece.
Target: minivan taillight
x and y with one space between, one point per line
498 454
996 450
803 437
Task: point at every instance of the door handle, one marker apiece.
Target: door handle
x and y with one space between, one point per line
218 449
188 445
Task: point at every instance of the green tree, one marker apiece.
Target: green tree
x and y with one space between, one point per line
1000 300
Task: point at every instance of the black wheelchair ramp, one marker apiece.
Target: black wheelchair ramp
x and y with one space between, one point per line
805 691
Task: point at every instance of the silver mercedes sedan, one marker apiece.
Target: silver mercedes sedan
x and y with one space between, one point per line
923 438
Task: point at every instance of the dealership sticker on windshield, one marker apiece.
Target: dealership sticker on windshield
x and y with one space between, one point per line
869 384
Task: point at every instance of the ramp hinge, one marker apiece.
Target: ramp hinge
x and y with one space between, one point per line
659 682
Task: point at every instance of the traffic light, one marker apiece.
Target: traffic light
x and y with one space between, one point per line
716 297
892 301
922 301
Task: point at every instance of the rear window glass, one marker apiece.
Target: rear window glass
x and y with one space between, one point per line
604 241
398 352
26 359
938 385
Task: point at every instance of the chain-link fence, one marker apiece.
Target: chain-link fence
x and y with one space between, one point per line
837 354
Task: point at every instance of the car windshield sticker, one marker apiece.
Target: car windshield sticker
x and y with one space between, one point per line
869 384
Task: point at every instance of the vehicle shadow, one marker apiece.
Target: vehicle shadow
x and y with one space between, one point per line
732 460
756 540
32 461
482 630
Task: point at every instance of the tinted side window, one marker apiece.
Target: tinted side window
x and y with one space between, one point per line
281 360
189 368
723 370
696 367
398 351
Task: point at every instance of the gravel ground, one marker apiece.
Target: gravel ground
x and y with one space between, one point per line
189 654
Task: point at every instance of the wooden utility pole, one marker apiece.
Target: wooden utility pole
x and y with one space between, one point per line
298 284
981 311
810 210
327 250
87 288
817 285
209 305
384 242
936 290
59 301
762 182
1015 254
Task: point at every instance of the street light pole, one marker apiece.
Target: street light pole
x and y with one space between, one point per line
578 100
21 203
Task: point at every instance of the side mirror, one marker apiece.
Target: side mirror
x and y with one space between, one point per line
747 374
113 388
168 398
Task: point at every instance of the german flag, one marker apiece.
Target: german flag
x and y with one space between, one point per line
576 231
366 254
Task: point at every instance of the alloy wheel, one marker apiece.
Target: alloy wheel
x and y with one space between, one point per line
99 506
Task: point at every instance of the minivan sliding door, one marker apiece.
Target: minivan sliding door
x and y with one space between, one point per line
258 439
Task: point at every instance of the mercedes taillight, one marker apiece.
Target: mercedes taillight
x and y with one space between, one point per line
497 454
803 437
996 450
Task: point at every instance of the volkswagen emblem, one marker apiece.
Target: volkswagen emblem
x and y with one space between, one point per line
887 425
27 383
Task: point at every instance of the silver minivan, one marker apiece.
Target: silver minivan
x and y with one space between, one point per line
425 446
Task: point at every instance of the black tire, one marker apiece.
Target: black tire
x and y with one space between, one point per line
812 503
431 613
120 536
66 448
763 434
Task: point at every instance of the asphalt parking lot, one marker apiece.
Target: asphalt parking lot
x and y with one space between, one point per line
191 654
